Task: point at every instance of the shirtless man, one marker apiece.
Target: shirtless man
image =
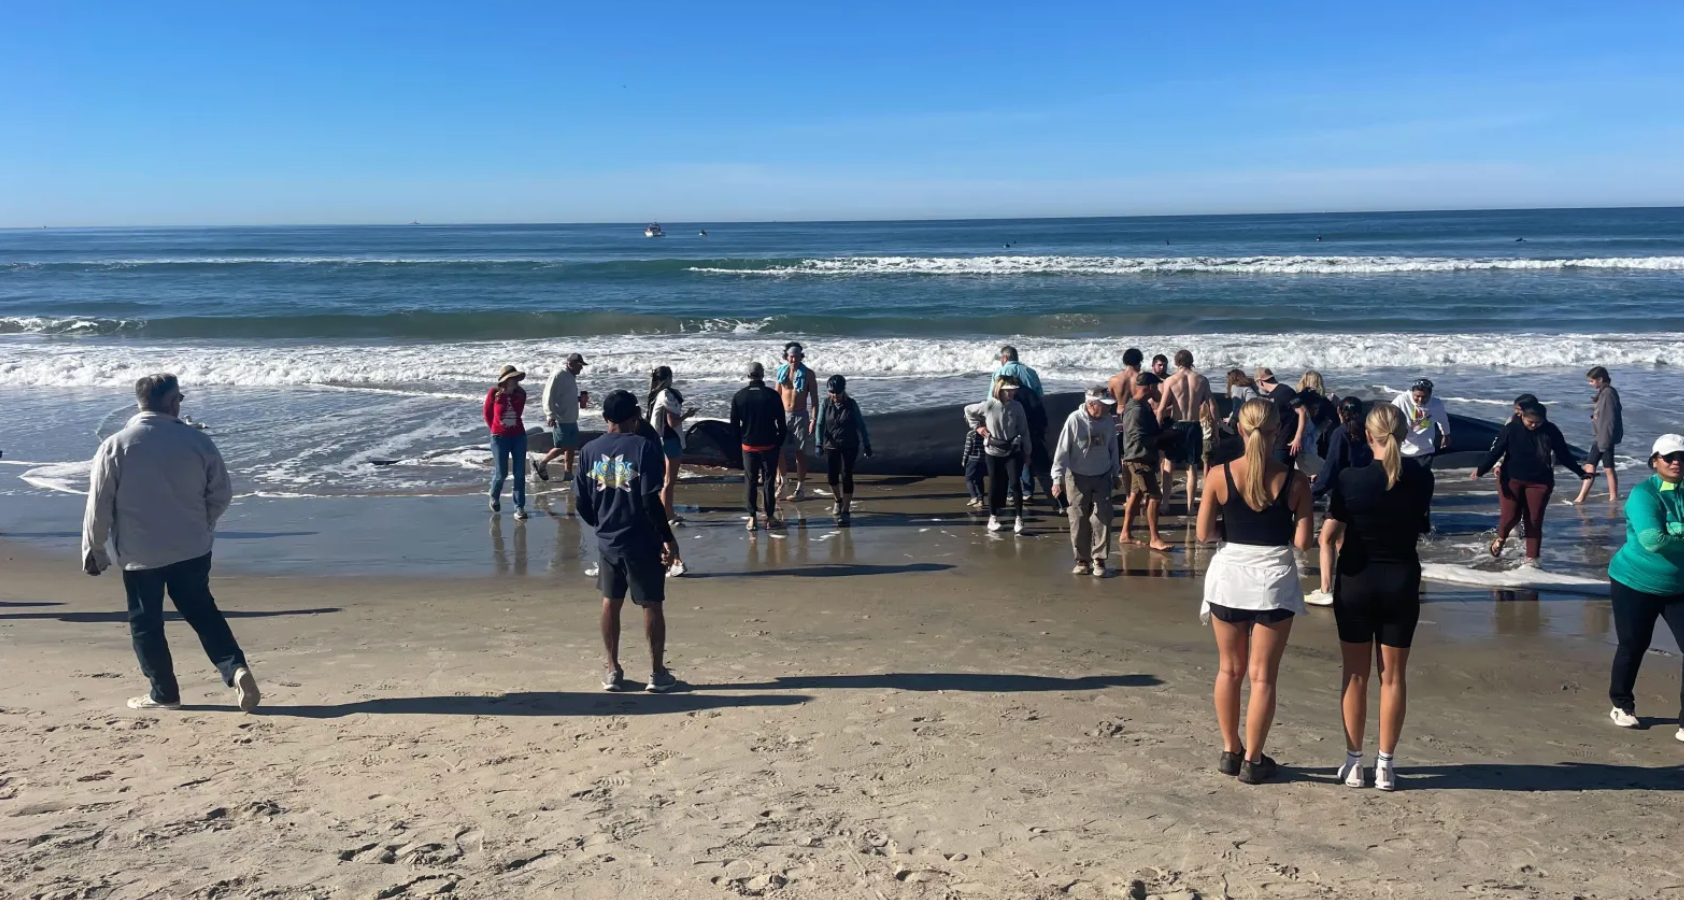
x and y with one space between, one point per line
799 388
1122 383
1186 402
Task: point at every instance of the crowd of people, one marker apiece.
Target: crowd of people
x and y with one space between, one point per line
158 488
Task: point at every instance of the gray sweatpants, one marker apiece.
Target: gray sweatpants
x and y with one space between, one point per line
1090 515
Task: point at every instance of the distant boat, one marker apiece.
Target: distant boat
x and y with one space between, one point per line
654 231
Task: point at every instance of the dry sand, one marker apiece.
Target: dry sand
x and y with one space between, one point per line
877 715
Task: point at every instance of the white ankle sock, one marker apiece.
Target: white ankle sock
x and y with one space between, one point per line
1354 756
1386 758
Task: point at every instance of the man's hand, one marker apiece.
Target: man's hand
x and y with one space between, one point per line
549 423
982 430
1474 475
868 453
1058 489
91 565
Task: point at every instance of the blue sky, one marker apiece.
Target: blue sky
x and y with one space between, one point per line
305 112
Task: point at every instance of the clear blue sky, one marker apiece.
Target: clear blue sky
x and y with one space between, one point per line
307 112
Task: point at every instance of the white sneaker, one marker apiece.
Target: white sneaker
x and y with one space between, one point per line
1680 734
520 513
993 523
1385 775
245 689
1082 568
1018 528
145 701
1623 718
1099 568
1350 772
677 569
1319 597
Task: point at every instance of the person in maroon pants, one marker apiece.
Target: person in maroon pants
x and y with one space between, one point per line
1529 448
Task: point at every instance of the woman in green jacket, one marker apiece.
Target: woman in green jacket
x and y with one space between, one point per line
1646 577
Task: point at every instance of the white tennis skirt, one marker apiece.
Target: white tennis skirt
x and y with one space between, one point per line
1247 576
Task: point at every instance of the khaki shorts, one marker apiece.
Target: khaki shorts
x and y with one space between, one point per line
1141 478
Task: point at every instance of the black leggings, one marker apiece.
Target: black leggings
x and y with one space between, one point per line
1004 472
1634 623
759 470
841 463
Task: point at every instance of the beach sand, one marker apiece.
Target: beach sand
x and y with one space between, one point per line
913 709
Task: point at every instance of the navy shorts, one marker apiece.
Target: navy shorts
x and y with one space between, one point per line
644 578
671 448
565 435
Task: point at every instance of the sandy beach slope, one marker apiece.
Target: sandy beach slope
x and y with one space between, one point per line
892 719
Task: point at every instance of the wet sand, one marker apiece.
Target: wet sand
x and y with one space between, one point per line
911 708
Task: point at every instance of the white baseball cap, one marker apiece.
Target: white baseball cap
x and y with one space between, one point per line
1667 444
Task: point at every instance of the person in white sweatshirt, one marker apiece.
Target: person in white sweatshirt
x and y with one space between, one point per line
1084 465
1427 430
155 492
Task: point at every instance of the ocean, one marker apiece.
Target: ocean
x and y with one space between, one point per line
309 352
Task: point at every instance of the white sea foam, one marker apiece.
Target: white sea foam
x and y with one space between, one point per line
454 368
1518 578
1177 265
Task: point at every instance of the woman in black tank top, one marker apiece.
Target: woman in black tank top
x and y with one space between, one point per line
1251 588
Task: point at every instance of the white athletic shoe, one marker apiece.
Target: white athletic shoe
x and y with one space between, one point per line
145 701
1319 597
1018 528
1680 734
520 513
677 569
245 689
1082 568
1099 568
1623 718
1385 775
1350 772
994 523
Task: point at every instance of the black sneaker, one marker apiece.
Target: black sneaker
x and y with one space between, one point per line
1258 772
1229 763
613 680
540 470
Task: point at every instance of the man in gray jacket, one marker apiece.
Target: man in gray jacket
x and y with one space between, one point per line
156 490
1083 466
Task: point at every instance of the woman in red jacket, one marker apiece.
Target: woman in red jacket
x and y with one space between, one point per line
503 407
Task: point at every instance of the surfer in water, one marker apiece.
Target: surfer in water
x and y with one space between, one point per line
1646 576
1373 522
1529 455
799 388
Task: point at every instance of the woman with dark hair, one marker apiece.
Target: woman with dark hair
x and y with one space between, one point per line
504 404
1646 577
1260 508
842 435
1348 447
665 410
1529 454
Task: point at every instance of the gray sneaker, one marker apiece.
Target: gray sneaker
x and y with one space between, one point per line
661 682
613 680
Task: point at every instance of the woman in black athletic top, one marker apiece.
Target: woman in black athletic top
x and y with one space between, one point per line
1373 520
1251 590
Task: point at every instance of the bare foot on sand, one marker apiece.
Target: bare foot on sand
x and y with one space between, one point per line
1161 544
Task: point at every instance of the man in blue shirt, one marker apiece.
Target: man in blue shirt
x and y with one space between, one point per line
618 492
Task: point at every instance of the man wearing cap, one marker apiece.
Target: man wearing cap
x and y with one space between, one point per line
156 491
1084 464
1141 454
799 388
618 493
757 416
562 400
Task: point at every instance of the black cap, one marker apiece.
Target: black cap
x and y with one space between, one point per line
576 358
619 407
836 384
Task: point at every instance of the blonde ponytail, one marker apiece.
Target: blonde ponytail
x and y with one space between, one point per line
1385 431
1259 423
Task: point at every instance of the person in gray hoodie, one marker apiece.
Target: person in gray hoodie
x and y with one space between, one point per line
1004 427
1608 428
1083 466
155 491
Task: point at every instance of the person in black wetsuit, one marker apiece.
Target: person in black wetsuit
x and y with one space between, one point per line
1373 521
1290 441
842 435
1347 447
757 415
1529 453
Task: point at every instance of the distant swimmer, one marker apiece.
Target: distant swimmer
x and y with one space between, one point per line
1520 240
704 233
1318 238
